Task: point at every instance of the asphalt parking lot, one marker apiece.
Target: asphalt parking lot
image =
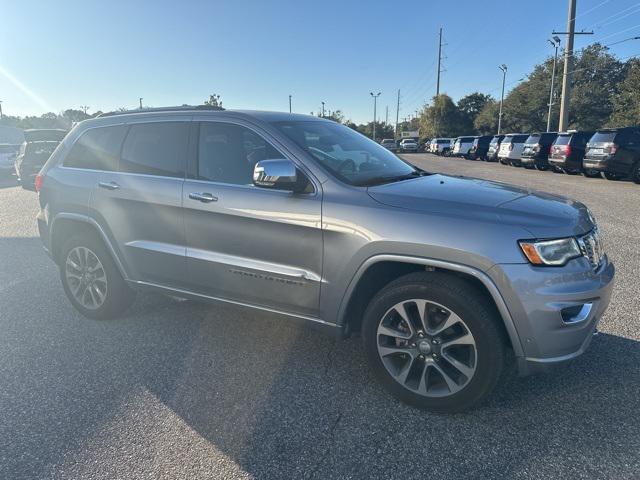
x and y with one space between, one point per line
177 389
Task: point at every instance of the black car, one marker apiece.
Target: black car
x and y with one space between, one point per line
494 147
480 148
615 152
38 146
568 151
535 153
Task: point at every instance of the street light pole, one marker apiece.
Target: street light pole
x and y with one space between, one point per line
289 103
140 98
322 109
375 101
502 67
555 43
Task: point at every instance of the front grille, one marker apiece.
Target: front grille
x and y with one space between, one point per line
591 247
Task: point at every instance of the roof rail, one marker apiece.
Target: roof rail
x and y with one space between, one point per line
182 108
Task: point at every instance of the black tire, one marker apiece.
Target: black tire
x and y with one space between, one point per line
611 176
635 173
479 317
542 168
591 173
118 297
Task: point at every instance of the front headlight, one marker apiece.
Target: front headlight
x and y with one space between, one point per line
551 252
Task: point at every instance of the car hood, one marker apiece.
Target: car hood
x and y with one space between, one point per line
541 214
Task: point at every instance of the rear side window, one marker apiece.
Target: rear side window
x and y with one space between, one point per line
97 149
156 149
227 153
599 137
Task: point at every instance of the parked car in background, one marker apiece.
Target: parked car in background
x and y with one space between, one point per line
159 200
480 148
511 148
536 149
8 154
567 153
615 152
389 144
38 145
408 145
462 146
441 146
494 147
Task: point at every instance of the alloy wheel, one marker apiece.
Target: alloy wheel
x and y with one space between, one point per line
86 278
426 348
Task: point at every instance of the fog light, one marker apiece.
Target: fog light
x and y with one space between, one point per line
576 313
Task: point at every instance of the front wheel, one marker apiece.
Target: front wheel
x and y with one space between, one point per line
91 279
434 342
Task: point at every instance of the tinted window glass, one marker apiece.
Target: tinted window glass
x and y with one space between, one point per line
97 149
227 153
156 149
603 137
533 139
562 140
467 139
520 138
507 140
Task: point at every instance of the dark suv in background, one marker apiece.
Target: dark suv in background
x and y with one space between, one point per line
568 151
494 147
535 153
36 149
615 152
480 148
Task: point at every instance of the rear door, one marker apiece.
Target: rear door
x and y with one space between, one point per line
140 203
248 244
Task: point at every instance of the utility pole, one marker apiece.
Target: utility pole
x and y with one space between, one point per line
555 43
140 103
289 103
386 115
84 108
375 101
322 109
439 61
397 114
502 67
568 65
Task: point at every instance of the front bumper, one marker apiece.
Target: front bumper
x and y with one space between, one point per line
544 304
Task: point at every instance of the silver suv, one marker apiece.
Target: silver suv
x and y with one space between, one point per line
445 278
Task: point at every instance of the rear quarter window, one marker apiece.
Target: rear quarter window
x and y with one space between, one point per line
97 149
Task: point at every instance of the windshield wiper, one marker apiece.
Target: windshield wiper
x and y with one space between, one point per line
390 179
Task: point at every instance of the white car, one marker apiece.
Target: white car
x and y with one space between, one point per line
408 145
8 153
511 147
462 146
440 145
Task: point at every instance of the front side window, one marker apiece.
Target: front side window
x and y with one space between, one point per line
345 153
97 149
228 153
158 148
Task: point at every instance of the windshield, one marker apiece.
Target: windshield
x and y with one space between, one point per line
347 154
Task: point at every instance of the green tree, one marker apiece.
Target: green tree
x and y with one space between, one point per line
626 103
486 121
470 107
441 119
213 101
382 130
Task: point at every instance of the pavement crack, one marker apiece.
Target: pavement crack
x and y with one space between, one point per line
325 454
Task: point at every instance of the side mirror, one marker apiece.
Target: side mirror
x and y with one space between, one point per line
278 174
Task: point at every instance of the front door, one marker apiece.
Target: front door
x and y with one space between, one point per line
244 243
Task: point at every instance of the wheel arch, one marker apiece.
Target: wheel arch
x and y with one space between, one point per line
67 224
376 272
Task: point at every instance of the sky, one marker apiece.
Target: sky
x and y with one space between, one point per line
255 53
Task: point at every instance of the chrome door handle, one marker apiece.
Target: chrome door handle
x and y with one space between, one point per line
109 185
203 197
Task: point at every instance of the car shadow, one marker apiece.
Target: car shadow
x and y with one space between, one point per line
7 181
277 399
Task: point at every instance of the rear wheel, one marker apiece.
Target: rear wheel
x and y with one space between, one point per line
433 342
91 279
591 173
611 176
635 172
542 168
